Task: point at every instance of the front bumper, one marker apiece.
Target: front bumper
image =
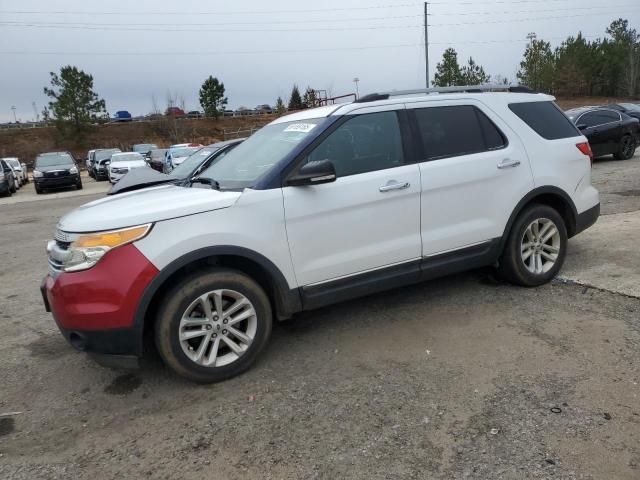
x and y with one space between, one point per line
94 309
58 182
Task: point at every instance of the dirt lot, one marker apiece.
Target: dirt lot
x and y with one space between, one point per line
462 377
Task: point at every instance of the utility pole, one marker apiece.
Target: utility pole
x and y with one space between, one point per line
13 108
426 42
531 36
356 80
35 112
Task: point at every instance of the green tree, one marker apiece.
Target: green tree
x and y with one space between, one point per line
310 99
537 67
447 71
627 46
280 108
295 100
212 97
73 99
473 74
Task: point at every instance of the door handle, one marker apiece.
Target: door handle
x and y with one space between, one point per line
507 163
394 186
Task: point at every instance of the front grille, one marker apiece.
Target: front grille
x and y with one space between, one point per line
56 174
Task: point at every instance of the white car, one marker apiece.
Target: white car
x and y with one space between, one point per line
176 154
318 207
19 171
122 163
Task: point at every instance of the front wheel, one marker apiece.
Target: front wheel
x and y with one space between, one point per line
14 188
79 186
213 325
536 247
627 148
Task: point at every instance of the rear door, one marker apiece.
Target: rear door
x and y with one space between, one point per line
474 170
603 128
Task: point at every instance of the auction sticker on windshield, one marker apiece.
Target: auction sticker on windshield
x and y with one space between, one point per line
300 127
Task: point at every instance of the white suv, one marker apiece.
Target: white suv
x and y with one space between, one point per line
318 207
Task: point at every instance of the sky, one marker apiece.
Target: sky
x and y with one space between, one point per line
145 49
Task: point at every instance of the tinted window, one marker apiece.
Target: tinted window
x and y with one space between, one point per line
545 119
49 160
456 130
104 154
364 143
598 117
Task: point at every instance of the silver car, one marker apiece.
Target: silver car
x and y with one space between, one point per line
19 169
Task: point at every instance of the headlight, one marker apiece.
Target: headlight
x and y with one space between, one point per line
73 170
87 249
37 173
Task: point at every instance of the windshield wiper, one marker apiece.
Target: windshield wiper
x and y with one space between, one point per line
207 181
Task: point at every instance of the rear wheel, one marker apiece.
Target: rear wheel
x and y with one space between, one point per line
14 189
627 148
213 325
536 247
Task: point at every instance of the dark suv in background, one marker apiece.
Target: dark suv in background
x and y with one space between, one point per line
56 170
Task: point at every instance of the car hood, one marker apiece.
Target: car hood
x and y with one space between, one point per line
145 206
128 164
140 178
49 168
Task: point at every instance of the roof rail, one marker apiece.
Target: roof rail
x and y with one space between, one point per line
455 89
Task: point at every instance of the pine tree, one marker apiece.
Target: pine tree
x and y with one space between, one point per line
280 108
295 100
473 74
212 97
310 99
447 71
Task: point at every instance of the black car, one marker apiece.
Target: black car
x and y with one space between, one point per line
7 180
181 175
56 170
100 161
608 131
630 109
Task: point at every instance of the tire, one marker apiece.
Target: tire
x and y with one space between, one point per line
14 189
519 265
184 301
626 149
38 190
79 186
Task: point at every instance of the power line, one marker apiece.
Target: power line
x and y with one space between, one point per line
530 19
182 12
506 12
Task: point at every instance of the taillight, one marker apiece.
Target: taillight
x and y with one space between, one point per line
585 148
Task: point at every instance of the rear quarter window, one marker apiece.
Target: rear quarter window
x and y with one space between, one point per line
546 119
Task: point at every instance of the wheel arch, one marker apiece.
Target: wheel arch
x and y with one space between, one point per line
549 195
284 300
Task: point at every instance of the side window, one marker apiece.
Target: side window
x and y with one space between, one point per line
364 143
456 130
598 117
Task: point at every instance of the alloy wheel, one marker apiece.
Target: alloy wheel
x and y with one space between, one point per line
217 328
540 246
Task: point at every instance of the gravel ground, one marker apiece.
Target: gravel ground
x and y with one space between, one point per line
462 377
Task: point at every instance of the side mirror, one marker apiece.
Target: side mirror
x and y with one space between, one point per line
314 173
581 126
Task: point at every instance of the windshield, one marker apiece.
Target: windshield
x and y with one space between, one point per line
126 157
246 163
54 159
631 106
144 147
102 154
191 163
13 161
155 154
183 152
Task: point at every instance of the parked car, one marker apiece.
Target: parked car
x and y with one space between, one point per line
181 175
194 114
56 170
228 113
20 174
122 163
144 148
608 131
19 167
318 207
101 158
176 154
264 109
87 162
122 116
631 109
156 158
7 180
175 112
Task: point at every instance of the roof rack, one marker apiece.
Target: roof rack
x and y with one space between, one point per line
456 89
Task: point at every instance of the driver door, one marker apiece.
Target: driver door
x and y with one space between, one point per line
365 220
